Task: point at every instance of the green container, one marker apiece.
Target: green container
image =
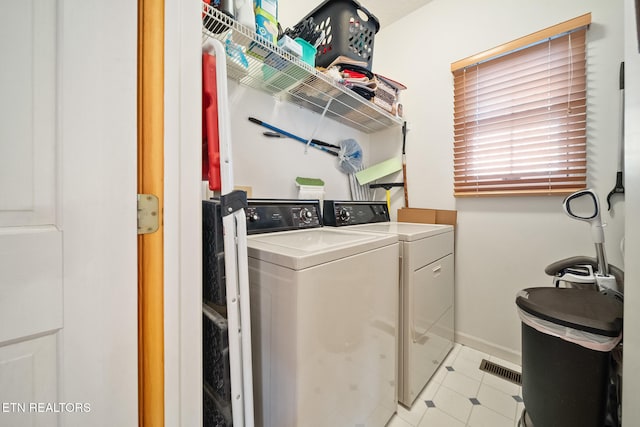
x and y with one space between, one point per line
308 52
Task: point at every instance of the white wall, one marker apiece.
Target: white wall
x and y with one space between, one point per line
631 381
270 165
502 244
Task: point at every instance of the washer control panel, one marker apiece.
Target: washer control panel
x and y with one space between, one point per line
339 213
270 215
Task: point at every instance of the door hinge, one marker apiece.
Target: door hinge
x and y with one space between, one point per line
148 215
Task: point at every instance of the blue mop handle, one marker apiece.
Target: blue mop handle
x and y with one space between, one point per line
292 136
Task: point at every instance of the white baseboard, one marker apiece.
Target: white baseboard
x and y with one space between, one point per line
486 347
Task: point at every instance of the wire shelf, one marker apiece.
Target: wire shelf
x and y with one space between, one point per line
254 62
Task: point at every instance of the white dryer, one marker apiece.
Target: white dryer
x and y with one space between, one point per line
324 307
426 288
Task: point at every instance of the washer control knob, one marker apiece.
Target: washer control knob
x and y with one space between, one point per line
253 216
306 215
344 215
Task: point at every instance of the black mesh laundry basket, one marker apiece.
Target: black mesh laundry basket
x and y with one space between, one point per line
567 338
216 371
349 29
213 268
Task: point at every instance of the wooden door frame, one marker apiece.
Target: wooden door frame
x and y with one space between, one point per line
151 181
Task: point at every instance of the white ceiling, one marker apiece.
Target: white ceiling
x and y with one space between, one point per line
387 12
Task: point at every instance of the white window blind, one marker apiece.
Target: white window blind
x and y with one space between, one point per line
520 115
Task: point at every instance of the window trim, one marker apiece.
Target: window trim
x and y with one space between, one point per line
538 36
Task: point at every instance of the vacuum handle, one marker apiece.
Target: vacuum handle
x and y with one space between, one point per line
592 217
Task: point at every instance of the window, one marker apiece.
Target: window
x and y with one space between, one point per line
520 115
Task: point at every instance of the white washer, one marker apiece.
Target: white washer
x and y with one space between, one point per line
426 289
324 306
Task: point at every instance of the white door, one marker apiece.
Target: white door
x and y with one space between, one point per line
68 353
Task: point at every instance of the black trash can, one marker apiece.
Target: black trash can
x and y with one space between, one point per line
567 338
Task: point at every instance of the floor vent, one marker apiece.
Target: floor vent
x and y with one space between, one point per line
501 371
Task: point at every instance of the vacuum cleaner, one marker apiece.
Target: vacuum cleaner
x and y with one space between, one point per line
572 336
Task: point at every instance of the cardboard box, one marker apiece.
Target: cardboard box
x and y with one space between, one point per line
427 216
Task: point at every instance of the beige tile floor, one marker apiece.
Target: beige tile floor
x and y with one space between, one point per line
460 394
